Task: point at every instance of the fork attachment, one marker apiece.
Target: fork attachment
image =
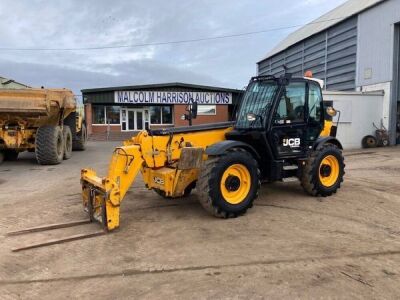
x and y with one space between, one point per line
102 196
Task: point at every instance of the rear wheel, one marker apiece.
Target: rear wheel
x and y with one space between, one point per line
67 135
228 184
324 171
79 142
1 156
49 145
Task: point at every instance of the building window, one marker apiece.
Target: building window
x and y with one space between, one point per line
112 113
98 114
207 110
161 115
167 114
106 114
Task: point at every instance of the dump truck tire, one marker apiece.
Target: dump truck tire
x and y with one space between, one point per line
324 170
1 157
67 135
228 184
11 155
49 145
79 142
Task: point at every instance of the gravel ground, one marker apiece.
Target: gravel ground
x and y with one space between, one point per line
289 245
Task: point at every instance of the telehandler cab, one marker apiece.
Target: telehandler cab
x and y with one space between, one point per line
281 131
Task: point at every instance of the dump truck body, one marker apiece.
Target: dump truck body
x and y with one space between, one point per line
24 111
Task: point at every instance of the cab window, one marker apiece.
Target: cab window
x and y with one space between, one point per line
291 107
314 102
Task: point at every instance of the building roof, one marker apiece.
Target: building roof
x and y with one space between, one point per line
161 85
333 17
11 83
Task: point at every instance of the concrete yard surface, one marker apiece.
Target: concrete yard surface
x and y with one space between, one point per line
289 245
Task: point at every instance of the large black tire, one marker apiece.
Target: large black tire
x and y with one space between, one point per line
49 145
79 142
70 121
209 184
1 156
369 141
11 155
318 178
67 135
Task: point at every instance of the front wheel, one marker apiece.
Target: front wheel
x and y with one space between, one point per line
324 170
228 184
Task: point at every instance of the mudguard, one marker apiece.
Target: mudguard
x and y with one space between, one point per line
327 139
223 146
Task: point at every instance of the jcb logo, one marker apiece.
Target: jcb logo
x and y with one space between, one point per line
158 180
291 142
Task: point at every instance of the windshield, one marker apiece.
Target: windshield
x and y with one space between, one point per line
257 100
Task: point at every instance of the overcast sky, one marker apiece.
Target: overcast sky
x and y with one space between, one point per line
94 23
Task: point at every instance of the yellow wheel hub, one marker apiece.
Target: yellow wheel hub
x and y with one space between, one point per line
235 183
329 171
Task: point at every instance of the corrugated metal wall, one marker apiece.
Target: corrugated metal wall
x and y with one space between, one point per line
331 55
375 43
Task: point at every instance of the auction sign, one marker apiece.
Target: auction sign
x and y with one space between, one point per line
170 97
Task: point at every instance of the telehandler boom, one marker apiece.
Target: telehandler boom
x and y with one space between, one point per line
281 131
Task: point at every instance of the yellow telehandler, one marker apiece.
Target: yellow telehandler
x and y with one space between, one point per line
281 131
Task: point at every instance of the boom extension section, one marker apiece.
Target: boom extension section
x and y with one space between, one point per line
169 164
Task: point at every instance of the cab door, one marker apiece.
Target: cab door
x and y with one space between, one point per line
315 114
288 128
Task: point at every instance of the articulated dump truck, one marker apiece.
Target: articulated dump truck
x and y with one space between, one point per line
45 121
282 132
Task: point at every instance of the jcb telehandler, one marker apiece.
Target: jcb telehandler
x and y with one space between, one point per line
281 131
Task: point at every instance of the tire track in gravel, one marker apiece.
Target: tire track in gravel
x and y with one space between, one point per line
370 225
138 272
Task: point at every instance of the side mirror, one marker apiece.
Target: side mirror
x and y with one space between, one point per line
251 117
331 111
193 110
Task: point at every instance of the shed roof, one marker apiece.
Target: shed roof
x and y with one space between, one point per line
160 86
333 17
11 83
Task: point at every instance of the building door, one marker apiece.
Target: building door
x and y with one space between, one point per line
133 119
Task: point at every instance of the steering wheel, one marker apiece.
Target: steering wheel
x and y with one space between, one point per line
299 112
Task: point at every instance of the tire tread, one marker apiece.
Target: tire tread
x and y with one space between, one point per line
207 175
309 180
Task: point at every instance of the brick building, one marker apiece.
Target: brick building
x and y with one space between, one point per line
133 108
